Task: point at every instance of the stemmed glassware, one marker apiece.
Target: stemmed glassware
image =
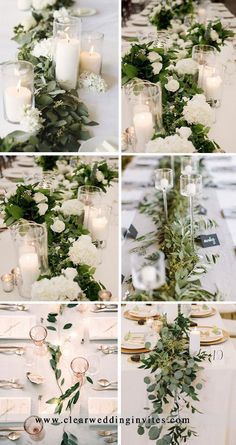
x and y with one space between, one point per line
33 426
79 366
191 186
164 181
38 335
148 275
189 165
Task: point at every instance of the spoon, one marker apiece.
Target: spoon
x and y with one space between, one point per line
105 383
111 439
11 436
19 351
105 433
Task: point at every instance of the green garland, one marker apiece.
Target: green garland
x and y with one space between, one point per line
66 118
174 383
183 266
136 64
167 10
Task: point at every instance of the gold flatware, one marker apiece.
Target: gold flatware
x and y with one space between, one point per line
11 436
13 307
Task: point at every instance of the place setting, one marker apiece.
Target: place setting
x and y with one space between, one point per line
179 233
59 77
66 361
57 234
184 362
178 72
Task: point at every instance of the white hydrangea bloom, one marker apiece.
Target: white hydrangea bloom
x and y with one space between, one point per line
72 207
186 66
44 48
58 226
42 208
39 5
92 82
56 288
62 15
198 111
28 22
170 144
83 251
172 85
40 197
70 273
32 119
184 132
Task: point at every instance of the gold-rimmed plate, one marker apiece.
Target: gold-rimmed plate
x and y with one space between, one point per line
139 317
203 313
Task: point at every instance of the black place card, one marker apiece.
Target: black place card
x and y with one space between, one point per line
201 210
132 232
211 240
122 278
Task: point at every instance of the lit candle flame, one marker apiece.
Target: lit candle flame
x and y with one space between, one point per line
91 50
18 86
66 33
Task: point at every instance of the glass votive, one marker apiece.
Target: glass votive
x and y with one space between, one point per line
98 224
16 275
212 84
23 5
67 34
190 185
7 282
18 89
189 165
203 55
164 179
145 99
148 275
91 52
79 367
90 196
33 426
104 295
38 335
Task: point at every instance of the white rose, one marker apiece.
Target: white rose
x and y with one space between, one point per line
184 132
40 197
83 251
157 67
198 111
153 57
99 176
214 35
28 23
58 226
42 208
172 85
70 273
170 144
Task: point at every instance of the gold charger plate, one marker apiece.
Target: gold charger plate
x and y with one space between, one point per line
134 351
215 342
209 314
136 318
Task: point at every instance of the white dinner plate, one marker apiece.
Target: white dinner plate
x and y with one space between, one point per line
85 12
208 334
134 340
139 311
13 173
100 144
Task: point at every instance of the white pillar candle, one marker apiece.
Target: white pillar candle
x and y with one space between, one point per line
191 189
213 86
194 342
201 15
90 61
99 226
24 5
144 128
148 275
164 183
16 97
67 62
188 170
29 267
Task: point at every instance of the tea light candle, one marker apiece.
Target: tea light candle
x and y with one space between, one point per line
90 61
104 295
24 5
7 282
67 62
144 128
213 85
164 183
99 226
148 275
191 189
16 97
29 267
194 342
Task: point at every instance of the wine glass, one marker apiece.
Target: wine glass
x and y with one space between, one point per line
38 335
164 181
33 426
79 367
191 186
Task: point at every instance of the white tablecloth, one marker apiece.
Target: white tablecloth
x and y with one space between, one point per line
13 366
103 108
106 271
217 398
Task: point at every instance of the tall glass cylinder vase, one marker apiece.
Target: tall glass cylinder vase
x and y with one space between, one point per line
212 83
31 246
91 52
191 187
204 55
67 35
98 224
18 89
90 196
145 99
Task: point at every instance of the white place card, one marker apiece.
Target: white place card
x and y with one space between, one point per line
102 328
102 407
14 409
16 327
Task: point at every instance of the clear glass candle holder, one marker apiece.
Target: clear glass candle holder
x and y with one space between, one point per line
67 35
98 224
18 89
212 83
189 165
191 187
145 99
148 275
7 282
90 196
79 366
204 55
34 427
164 181
91 52
31 246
